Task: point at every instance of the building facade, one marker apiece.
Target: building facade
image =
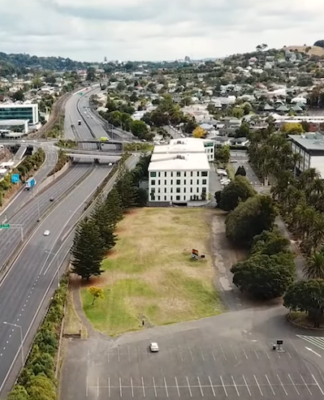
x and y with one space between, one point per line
20 112
310 148
192 145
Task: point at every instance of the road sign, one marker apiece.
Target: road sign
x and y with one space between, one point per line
15 178
4 226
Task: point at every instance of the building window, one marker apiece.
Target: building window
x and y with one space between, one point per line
178 182
197 190
159 174
204 189
184 197
171 190
185 173
153 182
153 190
197 173
171 173
185 182
158 198
165 190
204 173
165 182
191 173
178 198
164 197
165 174
171 181
153 174
190 181
190 190
204 181
171 198
197 181
178 173
159 183
184 190
178 190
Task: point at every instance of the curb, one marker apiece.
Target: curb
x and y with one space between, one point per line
302 326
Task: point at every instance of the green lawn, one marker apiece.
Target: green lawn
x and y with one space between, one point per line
150 275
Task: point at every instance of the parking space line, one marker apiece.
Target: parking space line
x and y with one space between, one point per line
223 351
132 388
234 354
154 386
289 354
238 393
143 386
256 354
293 384
87 387
258 384
201 353
120 388
109 386
180 352
247 386
188 386
268 380
98 386
212 386
305 383
201 391
223 385
245 354
318 384
166 388
176 381
282 385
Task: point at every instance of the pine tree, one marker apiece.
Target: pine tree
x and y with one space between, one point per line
114 207
87 250
102 218
126 190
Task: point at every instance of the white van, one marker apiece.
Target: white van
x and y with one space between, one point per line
221 172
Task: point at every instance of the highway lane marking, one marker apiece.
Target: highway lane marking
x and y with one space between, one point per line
314 352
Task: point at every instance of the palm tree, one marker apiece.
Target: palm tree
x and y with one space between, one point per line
314 269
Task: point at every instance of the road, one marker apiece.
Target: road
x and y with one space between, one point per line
26 289
24 217
241 158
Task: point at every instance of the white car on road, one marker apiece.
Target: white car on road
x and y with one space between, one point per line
154 347
46 233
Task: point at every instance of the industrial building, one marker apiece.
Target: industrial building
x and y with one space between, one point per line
20 112
179 173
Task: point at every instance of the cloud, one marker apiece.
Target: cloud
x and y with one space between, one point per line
155 29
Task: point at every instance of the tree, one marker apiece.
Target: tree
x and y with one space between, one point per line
91 74
240 171
101 216
308 297
250 218
18 95
87 250
139 129
223 154
292 128
314 268
238 112
239 189
243 130
96 292
264 277
114 207
270 243
199 133
41 388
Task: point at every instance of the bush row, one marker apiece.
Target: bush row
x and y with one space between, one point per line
37 379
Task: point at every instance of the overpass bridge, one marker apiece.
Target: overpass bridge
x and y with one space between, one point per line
96 158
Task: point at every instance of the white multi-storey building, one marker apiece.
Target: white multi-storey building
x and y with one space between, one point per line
178 178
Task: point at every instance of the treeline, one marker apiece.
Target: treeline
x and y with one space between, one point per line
269 270
95 235
25 169
62 159
37 379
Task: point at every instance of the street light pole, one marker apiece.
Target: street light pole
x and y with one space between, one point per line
21 340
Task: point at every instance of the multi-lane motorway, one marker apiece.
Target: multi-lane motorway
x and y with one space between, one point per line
31 280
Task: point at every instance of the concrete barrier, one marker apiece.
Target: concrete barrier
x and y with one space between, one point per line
53 177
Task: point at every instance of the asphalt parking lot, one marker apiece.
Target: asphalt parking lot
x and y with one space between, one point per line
192 366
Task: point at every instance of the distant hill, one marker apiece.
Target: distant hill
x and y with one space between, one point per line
312 50
319 43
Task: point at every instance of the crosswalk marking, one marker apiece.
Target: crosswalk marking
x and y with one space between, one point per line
315 340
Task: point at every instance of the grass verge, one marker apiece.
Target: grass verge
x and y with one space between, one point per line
150 275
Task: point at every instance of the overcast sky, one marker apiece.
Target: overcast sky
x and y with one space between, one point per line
89 30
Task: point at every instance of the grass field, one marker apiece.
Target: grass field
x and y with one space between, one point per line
150 275
314 50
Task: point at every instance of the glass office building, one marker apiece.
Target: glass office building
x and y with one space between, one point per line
20 112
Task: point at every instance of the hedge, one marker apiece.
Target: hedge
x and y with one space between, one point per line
61 161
